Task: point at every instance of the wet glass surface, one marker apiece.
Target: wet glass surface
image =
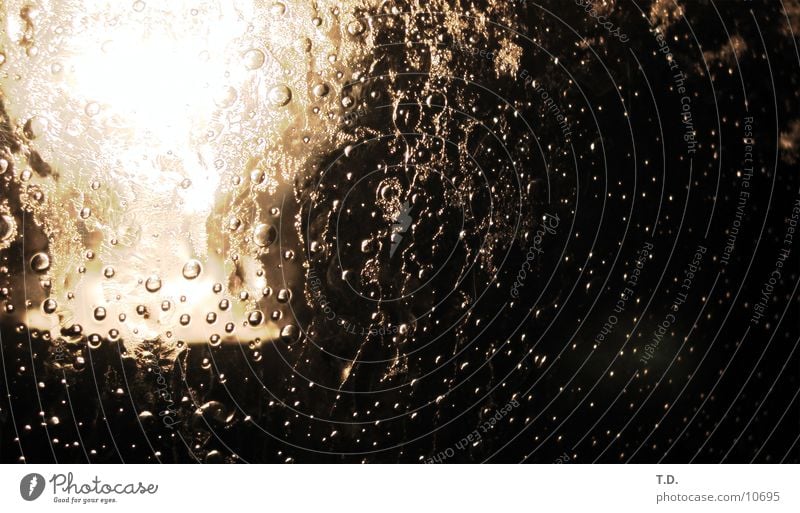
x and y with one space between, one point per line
398 231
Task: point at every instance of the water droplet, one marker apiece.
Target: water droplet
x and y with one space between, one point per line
192 269
92 109
49 306
99 313
253 58
94 341
36 127
255 317
40 262
280 95
185 320
85 213
289 333
211 318
284 295
226 97
264 235
355 28
153 284
278 8
320 90
108 272
138 6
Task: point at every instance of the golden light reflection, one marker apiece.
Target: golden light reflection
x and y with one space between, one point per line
149 118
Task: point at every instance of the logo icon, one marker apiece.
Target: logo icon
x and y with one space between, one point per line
400 224
31 486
